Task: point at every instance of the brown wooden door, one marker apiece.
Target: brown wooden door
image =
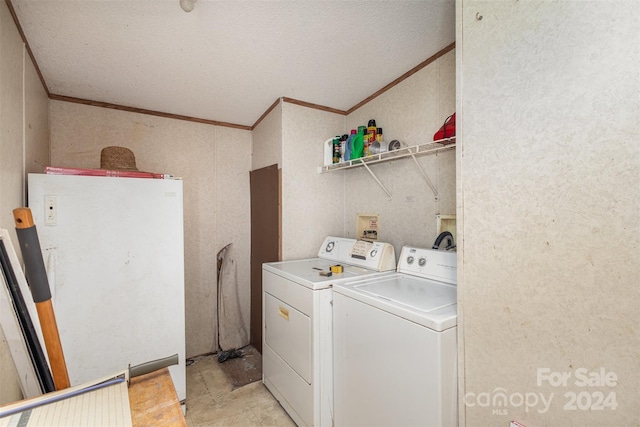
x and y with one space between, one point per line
265 238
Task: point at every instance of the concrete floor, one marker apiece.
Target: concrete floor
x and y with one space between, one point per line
212 401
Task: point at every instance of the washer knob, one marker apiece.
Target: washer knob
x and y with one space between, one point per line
330 246
373 253
422 262
409 260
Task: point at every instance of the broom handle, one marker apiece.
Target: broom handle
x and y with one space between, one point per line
39 285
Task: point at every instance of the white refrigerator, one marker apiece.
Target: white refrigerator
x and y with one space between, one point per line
114 253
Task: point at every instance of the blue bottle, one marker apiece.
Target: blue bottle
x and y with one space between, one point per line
348 146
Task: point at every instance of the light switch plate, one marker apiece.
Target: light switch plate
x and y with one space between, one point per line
50 210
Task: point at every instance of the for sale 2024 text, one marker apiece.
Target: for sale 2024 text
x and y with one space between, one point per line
592 398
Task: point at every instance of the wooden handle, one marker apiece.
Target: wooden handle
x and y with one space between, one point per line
36 275
52 342
23 218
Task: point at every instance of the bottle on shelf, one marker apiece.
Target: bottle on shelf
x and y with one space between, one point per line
349 146
336 149
380 140
343 146
357 149
371 134
365 143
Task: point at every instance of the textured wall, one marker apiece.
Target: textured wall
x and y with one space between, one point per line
266 145
214 163
36 127
11 118
549 164
11 177
312 203
24 147
411 112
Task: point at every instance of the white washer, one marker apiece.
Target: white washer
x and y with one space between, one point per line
297 354
395 349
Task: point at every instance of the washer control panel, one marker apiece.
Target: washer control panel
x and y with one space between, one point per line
377 256
428 263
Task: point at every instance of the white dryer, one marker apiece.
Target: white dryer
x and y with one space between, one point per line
395 350
297 356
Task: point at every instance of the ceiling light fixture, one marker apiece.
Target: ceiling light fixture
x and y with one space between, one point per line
187 5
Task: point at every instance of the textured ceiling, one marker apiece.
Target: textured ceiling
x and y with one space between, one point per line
228 61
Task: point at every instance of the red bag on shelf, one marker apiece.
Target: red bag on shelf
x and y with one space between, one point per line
448 129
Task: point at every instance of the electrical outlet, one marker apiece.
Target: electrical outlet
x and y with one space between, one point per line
50 210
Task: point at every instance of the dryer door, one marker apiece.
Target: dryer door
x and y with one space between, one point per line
288 333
